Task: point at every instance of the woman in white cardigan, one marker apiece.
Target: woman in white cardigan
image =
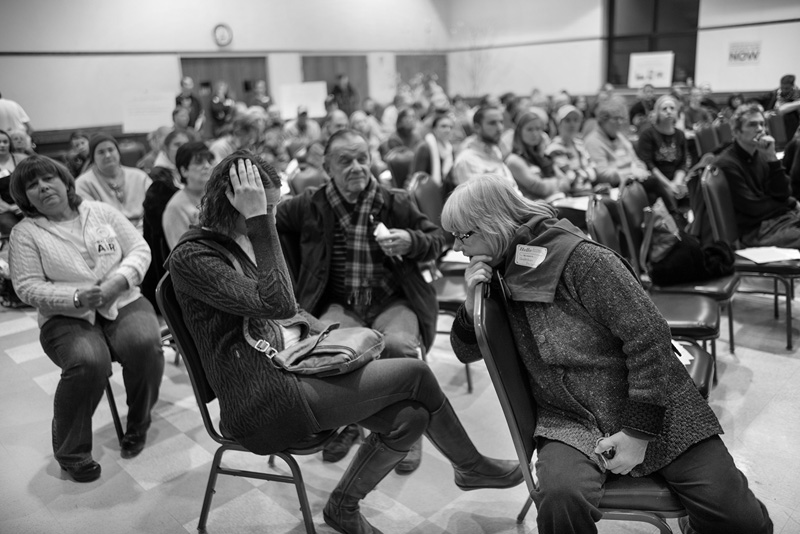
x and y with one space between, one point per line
80 264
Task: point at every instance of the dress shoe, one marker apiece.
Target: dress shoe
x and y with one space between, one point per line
132 444
410 463
339 446
84 473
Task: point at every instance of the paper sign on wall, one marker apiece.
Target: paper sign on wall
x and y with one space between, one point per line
654 68
744 53
144 112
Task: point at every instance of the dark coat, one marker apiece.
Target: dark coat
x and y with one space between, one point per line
308 221
599 360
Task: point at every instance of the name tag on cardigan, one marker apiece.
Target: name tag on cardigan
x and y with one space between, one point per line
530 256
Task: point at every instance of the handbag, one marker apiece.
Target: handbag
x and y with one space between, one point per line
665 232
334 351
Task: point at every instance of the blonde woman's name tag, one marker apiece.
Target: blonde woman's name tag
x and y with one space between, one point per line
530 256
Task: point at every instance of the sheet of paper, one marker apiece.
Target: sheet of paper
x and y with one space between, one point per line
683 355
455 257
769 254
576 203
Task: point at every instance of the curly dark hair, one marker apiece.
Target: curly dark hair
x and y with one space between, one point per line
216 211
31 169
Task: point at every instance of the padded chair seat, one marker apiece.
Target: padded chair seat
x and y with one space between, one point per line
650 493
786 268
717 289
452 268
690 316
312 443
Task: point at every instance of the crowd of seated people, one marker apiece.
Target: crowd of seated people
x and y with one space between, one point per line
339 191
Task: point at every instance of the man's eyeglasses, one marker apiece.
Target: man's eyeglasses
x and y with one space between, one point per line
463 237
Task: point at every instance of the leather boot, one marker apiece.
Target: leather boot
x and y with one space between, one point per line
411 462
371 463
472 469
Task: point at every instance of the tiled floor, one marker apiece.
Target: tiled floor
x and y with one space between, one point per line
757 400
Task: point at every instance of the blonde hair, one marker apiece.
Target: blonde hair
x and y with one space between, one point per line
490 206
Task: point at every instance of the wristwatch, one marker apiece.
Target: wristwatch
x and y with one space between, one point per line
75 299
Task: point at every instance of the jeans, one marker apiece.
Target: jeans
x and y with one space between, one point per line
84 353
396 321
711 488
393 398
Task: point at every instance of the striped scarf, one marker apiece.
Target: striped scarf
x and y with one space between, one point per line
367 279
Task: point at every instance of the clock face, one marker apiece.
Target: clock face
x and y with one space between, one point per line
223 34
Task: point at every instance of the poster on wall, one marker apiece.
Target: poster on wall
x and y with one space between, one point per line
744 53
309 94
654 68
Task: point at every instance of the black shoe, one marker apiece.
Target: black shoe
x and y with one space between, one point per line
338 447
84 473
132 444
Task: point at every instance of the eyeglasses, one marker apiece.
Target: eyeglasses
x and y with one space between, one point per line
463 237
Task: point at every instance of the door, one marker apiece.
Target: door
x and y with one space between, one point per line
327 68
241 74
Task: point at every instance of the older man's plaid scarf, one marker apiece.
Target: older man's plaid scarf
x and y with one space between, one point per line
367 280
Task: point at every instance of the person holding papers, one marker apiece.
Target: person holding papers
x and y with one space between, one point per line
766 213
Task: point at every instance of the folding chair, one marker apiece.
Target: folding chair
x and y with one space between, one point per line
112 404
643 499
719 204
637 226
204 394
447 277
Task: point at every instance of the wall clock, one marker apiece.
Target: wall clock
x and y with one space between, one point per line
223 35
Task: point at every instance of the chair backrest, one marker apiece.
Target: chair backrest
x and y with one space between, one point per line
723 131
777 129
508 374
601 225
399 161
719 206
173 315
427 194
632 203
706 139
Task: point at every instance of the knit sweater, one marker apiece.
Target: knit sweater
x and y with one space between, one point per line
46 269
600 360
261 406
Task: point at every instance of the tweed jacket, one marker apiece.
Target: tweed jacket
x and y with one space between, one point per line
46 269
307 223
600 360
261 406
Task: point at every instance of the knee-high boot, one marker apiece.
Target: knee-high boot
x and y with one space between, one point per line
472 469
371 463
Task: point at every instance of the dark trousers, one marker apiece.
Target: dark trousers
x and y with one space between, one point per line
713 491
84 353
392 397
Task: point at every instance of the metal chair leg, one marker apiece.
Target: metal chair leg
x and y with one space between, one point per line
731 345
112 404
300 486
521 515
212 481
469 378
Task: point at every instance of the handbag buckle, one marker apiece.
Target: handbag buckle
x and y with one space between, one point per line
262 345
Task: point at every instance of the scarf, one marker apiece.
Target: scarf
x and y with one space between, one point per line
440 167
366 280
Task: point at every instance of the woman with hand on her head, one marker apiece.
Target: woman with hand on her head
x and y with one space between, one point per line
79 263
267 409
601 367
532 169
107 180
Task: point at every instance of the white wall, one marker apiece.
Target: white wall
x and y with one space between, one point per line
728 12
777 43
775 60
80 91
186 25
574 66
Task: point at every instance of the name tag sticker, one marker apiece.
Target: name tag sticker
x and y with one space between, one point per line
529 256
106 246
